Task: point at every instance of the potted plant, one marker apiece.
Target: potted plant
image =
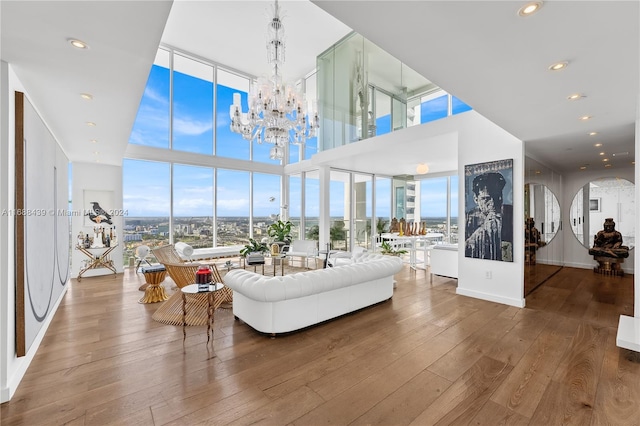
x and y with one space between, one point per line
252 247
280 231
386 248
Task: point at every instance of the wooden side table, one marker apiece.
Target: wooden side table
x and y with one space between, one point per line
153 291
212 298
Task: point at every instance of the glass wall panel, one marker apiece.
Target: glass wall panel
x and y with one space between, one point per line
295 204
192 105
363 209
399 114
312 205
383 204
232 206
229 144
340 210
311 94
453 227
383 113
266 203
193 205
433 204
146 189
151 127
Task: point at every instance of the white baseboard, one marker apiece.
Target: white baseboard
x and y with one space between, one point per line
518 303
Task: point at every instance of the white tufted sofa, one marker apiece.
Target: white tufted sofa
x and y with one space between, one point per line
282 304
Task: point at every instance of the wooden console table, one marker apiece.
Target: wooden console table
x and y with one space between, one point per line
98 259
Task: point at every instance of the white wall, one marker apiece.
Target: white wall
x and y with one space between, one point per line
95 177
12 368
482 141
576 255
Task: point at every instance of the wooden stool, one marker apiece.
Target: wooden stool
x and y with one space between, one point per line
154 292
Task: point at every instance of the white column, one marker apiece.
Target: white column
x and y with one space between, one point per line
324 177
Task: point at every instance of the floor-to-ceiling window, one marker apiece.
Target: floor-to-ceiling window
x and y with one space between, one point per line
339 209
311 205
193 205
439 205
192 106
229 144
363 209
232 207
266 203
147 202
151 127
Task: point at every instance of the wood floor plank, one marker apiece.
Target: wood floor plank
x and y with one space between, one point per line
512 347
406 403
492 414
468 352
618 393
462 401
525 386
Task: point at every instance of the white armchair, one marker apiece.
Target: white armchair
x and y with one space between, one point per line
340 258
304 249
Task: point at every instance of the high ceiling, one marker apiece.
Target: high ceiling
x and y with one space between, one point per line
480 51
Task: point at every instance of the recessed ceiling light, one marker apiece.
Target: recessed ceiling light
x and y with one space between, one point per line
96 152
538 172
576 96
605 160
583 167
620 154
585 118
597 145
558 66
86 96
602 153
530 8
78 44
607 165
593 133
91 124
633 162
94 141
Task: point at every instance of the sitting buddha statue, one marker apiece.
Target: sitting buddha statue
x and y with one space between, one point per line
608 242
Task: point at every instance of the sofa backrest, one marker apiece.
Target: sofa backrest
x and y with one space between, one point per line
367 267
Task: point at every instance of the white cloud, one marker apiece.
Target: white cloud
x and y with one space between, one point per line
187 126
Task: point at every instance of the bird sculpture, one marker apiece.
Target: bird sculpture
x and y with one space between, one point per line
98 215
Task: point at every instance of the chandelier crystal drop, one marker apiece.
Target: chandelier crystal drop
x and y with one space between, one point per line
278 112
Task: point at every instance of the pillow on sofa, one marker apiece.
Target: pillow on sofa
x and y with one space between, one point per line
184 249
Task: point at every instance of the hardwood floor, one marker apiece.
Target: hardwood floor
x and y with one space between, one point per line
425 357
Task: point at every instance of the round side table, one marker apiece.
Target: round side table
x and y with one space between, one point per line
154 292
212 298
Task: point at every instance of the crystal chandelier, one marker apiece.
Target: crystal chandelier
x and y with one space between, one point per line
277 112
